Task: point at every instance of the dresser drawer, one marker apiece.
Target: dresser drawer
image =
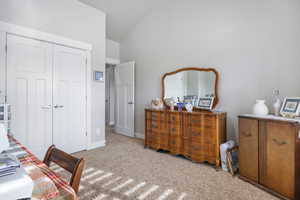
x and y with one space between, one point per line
174 118
175 130
175 145
148 115
209 121
186 148
209 150
195 148
174 141
195 121
209 136
164 142
155 116
155 126
196 135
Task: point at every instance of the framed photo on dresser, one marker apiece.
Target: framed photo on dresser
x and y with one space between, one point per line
206 103
290 107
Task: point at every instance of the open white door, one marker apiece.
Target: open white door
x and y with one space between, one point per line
124 74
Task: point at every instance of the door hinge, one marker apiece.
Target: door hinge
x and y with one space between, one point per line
86 133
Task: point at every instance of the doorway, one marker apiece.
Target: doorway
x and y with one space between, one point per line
119 98
110 94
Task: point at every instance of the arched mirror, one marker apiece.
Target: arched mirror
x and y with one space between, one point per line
190 85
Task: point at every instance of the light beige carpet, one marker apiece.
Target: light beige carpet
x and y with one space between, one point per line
124 170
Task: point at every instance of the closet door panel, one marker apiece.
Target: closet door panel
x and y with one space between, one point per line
29 91
69 99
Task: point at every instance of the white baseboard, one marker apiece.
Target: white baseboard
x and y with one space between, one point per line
96 145
139 135
123 131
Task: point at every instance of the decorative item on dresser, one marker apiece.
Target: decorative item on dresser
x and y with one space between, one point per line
196 135
269 154
290 107
260 108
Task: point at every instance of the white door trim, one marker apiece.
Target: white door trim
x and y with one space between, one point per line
112 61
59 40
43 36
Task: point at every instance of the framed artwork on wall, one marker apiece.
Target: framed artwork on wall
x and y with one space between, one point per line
290 107
98 76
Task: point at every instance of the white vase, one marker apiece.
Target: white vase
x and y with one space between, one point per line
277 107
189 107
260 108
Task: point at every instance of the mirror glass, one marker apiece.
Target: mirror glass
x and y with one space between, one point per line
189 86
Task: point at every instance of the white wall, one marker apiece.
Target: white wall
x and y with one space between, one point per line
72 19
112 50
2 68
254 44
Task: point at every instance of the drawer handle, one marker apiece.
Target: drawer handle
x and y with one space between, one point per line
195 134
174 129
173 118
153 126
196 148
279 143
247 134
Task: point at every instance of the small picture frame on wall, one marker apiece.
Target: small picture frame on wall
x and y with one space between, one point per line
206 103
98 76
290 107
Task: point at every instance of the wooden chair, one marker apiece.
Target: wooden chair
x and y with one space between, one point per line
68 162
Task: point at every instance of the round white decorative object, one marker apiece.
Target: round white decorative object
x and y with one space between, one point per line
260 108
189 107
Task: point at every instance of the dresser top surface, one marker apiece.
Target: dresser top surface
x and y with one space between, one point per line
194 112
272 117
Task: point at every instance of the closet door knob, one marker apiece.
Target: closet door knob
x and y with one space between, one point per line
58 106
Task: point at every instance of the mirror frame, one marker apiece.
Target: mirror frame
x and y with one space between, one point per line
216 100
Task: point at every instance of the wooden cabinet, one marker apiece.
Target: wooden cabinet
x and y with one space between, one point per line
269 155
196 135
248 148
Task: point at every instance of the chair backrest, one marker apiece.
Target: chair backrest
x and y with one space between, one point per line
68 162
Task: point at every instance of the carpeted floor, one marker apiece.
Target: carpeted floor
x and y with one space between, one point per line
124 170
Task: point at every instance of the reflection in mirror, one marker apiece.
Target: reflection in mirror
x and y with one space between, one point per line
189 86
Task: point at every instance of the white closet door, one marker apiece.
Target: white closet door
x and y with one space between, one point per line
125 98
69 99
29 91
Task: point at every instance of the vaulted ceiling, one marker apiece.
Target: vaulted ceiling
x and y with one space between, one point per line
122 15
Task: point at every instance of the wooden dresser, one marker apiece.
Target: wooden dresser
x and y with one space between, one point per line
196 135
269 154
